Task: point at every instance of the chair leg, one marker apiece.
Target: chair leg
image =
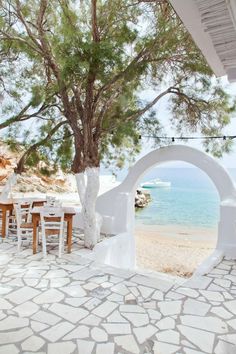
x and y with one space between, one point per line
37 236
61 244
44 248
7 224
19 240
44 244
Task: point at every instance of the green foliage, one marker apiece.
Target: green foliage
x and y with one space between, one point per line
37 95
218 147
45 171
33 159
12 144
64 152
61 72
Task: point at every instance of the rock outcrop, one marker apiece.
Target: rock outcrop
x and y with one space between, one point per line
32 180
142 198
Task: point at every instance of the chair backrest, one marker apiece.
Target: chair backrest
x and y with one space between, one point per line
22 211
57 204
50 201
52 218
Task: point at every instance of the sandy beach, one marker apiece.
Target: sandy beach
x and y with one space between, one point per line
173 249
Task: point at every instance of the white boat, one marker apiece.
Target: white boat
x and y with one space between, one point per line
156 183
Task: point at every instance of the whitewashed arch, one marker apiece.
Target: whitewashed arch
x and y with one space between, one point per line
206 163
117 205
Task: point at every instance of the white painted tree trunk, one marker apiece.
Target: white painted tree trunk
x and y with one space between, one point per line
81 186
7 189
88 192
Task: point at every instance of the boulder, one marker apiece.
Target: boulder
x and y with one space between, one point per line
142 198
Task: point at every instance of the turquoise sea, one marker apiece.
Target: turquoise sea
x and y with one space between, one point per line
192 200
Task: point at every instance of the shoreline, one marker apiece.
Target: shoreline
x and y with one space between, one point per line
173 249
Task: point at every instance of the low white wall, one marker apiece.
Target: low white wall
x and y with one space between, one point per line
117 251
107 222
227 229
209 263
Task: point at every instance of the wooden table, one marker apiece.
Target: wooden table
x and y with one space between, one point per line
8 205
68 217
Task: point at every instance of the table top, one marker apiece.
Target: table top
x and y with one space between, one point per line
20 200
66 210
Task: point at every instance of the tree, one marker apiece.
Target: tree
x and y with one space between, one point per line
76 69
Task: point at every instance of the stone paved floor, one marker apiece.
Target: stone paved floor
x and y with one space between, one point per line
72 305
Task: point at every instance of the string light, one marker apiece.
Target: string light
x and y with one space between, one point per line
173 138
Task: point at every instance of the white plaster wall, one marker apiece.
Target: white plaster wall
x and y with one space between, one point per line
117 205
227 229
117 251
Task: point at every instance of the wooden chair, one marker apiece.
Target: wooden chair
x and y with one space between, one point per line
50 201
52 222
23 221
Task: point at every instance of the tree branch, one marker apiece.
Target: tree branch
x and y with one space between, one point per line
48 56
104 109
7 36
20 165
78 103
177 91
96 37
140 112
15 118
28 30
22 116
122 74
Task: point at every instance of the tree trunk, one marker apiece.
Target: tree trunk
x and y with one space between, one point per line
81 186
88 193
11 182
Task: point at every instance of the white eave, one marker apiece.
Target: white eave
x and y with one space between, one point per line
212 25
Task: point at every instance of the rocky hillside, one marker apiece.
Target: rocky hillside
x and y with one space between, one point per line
31 181
34 182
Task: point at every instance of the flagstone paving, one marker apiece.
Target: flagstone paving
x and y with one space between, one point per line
74 305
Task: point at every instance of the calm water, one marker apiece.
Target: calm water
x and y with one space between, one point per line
192 199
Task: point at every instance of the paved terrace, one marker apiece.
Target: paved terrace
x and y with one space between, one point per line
72 305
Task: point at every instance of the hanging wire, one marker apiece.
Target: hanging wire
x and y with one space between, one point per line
173 138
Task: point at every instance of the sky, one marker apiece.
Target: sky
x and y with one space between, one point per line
228 160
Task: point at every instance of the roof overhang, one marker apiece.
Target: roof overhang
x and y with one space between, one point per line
212 25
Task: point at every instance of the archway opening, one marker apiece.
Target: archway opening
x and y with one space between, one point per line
117 205
177 230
